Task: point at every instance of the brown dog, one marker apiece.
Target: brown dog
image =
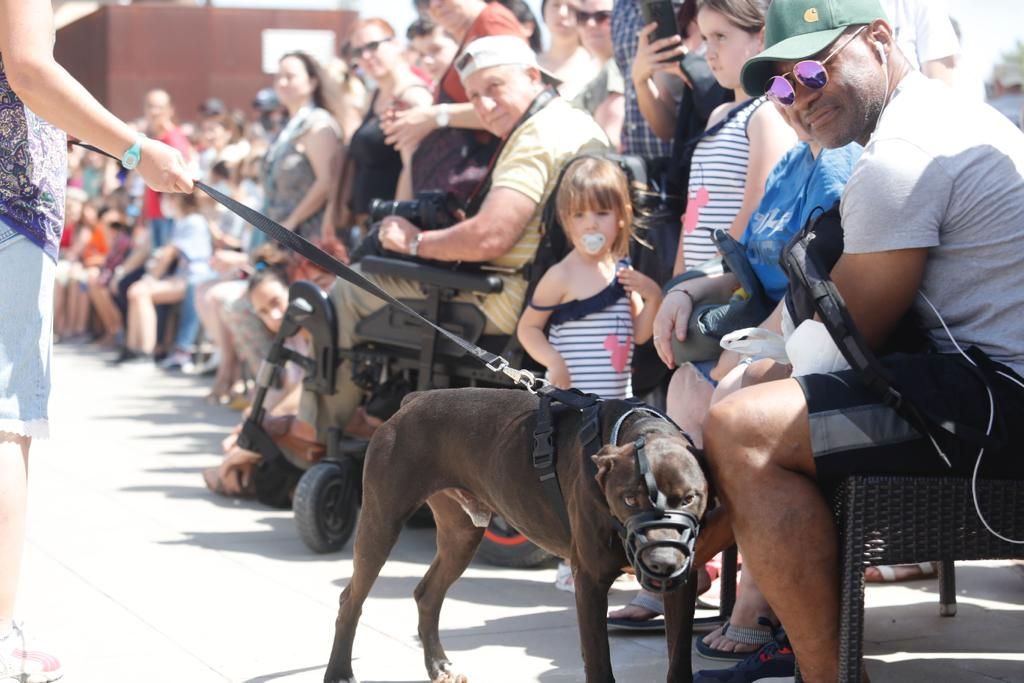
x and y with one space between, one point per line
466 452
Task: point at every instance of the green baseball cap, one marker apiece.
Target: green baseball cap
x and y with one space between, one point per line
799 29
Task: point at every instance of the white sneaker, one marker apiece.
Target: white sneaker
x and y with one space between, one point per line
175 361
563 578
20 661
208 366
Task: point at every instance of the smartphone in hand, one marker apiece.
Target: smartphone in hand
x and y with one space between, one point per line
662 13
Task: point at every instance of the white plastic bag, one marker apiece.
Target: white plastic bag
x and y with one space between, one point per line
811 350
756 342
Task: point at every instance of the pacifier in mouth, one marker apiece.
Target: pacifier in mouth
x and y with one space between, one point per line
592 242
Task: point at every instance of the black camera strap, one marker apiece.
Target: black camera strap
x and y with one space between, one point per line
477 198
325 261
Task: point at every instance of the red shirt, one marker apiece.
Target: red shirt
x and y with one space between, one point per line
151 199
495 20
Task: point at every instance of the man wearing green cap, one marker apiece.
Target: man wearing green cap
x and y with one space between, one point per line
933 223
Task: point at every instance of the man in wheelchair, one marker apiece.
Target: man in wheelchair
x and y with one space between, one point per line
540 133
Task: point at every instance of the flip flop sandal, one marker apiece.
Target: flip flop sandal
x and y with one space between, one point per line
756 635
923 570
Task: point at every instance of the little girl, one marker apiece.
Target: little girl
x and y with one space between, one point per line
597 305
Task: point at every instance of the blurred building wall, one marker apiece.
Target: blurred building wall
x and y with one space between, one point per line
121 52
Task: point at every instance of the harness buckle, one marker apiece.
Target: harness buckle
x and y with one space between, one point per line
543 449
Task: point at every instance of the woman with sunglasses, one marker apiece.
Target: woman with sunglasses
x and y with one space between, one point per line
604 96
371 167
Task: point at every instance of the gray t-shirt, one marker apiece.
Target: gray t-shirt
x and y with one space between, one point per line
948 174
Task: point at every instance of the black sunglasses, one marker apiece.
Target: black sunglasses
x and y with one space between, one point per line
599 17
370 47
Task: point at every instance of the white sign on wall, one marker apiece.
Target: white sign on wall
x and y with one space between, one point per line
277 42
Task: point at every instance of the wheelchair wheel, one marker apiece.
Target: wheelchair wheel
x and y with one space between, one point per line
326 505
505 547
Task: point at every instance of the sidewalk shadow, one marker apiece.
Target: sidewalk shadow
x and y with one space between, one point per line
496 591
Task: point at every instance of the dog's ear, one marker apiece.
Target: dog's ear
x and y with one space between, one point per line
605 462
605 459
705 468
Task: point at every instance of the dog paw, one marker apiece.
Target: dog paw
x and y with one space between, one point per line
446 675
450 677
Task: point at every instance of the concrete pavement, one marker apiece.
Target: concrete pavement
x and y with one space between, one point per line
134 572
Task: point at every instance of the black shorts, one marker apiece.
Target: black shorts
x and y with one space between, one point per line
852 432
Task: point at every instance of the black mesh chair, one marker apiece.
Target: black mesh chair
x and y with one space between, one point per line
901 520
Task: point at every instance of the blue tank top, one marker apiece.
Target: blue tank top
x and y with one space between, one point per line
33 172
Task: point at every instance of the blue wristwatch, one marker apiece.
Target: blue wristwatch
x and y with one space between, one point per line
133 156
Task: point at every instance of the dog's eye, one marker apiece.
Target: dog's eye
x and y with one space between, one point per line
630 501
689 498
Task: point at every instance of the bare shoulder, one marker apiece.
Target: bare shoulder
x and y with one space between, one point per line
554 286
766 119
719 113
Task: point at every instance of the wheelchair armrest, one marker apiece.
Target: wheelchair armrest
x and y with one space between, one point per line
486 283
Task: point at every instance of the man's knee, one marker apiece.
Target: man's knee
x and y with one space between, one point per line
733 442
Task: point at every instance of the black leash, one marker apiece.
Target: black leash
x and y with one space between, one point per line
325 261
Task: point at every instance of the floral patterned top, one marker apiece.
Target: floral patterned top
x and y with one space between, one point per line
33 171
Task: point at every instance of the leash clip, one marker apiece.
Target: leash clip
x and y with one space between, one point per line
525 379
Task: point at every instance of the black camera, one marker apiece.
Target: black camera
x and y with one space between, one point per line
430 210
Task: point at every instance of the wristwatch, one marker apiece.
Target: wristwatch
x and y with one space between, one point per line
414 245
442 117
131 158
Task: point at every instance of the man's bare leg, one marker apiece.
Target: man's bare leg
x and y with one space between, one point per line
758 445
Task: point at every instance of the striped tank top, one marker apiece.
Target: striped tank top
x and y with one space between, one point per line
718 177
595 337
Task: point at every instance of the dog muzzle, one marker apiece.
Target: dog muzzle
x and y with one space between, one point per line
655 560
661 574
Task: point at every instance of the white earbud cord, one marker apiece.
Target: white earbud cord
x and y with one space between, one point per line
988 429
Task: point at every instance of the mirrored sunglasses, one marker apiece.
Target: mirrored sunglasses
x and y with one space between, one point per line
810 73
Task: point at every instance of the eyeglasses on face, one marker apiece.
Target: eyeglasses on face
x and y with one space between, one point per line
599 17
811 74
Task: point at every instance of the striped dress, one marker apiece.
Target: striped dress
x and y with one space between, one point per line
595 337
718 177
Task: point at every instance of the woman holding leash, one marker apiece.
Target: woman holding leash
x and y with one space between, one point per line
39 101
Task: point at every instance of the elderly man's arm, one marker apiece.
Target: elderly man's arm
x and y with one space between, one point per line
484 237
879 288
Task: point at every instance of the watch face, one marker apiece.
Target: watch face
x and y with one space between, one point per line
131 159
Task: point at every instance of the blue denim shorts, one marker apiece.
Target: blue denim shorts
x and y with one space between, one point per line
26 335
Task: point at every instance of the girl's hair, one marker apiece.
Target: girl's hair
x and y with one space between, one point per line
265 273
314 71
592 184
270 262
748 15
382 24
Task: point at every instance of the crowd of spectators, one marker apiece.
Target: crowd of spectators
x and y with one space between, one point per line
181 281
